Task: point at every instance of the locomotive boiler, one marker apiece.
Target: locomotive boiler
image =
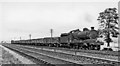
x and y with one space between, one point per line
86 39
85 34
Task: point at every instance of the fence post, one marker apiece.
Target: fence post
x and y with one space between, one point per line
75 52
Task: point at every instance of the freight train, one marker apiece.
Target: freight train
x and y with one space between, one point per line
86 39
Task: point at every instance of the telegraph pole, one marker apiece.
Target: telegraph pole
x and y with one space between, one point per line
20 38
51 32
30 38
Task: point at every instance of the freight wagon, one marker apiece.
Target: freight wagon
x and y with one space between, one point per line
86 39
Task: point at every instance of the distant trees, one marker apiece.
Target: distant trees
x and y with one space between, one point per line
108 24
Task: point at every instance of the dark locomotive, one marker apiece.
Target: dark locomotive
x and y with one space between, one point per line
86 39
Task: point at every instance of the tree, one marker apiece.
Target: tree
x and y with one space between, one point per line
108 24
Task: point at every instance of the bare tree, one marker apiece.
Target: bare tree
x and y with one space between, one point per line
108 24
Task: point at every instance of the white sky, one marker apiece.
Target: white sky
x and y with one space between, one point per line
37 17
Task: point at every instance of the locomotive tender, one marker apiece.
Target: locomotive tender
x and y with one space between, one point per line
86 39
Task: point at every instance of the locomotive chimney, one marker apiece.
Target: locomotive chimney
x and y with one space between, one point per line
92 28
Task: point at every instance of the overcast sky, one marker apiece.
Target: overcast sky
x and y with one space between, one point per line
19 19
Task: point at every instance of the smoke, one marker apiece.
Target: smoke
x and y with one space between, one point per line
88 18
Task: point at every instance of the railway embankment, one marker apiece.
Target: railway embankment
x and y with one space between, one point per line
8 56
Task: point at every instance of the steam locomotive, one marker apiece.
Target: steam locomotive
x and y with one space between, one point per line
86 39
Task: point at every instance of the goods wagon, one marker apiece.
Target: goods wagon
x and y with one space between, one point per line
86 39
39 42
48 41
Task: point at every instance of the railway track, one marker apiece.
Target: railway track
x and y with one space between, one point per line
113 58
66 57
34 59
112 53
40 58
